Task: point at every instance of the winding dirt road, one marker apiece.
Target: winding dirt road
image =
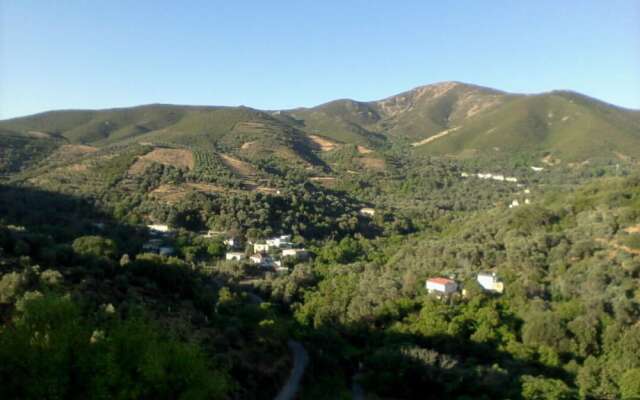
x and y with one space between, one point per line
300 361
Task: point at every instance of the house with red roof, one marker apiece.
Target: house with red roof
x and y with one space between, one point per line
441 285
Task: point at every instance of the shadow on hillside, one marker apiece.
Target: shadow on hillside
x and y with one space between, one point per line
63 217
408 366
41 226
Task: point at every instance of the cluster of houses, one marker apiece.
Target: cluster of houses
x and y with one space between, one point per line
498 177
495 177
267 254
445 286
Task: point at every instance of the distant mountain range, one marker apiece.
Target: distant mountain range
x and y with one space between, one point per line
448 118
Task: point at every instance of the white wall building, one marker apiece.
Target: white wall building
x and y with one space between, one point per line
441 285
262 260
280 241
489 281
260 247
367 212
297 253
160 228
231 242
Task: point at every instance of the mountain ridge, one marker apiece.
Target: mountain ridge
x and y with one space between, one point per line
443 119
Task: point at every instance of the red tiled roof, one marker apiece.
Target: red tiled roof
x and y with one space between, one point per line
441 281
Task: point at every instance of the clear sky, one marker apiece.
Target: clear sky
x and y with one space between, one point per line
283 54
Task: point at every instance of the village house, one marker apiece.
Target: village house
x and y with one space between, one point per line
514 204
464 174
260 247
279 241
262 260
279 267
441 285
537 169
511 179
234 256
296 253
211 234
490 282
232 242
159 228
367 212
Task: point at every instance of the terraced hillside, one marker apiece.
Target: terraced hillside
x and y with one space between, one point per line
449 118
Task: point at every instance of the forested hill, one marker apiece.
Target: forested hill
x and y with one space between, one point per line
445 118
172 252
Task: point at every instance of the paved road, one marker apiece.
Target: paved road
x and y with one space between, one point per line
357 392
300 361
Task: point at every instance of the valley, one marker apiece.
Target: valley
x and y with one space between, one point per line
190 251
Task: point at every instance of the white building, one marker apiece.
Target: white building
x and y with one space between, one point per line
511 179
159 228
231 242
260 247
279 241
489 281
297 253
367 212
514 204
464 174
234 256
484 176
262 260
498 177
441 285
537 169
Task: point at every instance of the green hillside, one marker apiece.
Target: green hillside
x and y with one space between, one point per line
449 118
567 126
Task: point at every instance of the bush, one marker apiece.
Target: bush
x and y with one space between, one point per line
10 284
54 351
538 388
96 246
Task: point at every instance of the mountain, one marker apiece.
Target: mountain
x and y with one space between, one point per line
449 118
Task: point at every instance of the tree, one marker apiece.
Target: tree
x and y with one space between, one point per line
96 246
630 384
10 284
216 248
540 388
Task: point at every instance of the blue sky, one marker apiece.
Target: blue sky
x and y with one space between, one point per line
282 54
